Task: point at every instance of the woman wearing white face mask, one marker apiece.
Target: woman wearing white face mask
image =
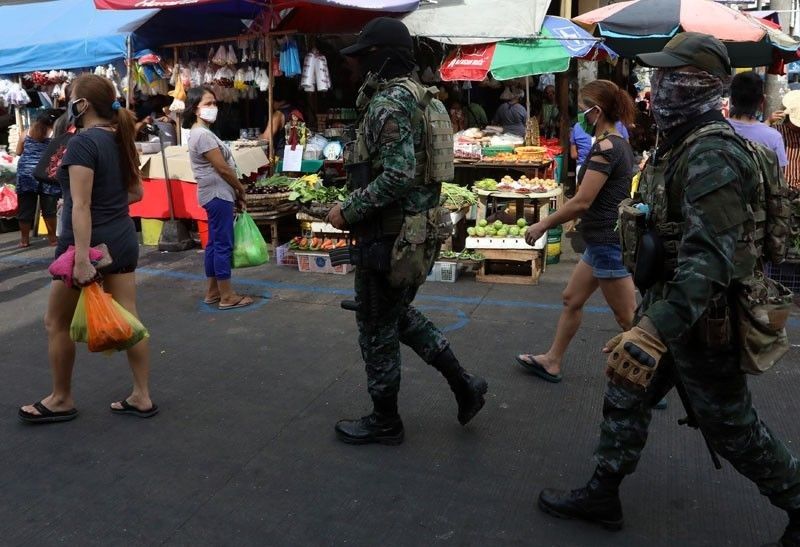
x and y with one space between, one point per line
219 192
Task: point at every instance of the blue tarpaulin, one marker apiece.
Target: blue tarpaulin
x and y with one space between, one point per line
64 34
68 34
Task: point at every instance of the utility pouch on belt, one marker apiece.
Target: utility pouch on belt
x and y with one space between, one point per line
417 246
631 226
409 254
713 330
762 308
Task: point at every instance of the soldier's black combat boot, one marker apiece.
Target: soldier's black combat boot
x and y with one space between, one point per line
469 390
597 502
383 426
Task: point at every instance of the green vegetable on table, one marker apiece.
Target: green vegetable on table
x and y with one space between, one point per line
490 185
310 189
466 254
456 197
274 181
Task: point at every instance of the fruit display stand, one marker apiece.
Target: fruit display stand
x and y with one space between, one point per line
538 200
511 259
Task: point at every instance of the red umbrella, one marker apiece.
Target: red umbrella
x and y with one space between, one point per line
642 26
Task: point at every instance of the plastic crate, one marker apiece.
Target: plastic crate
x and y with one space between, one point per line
787 274
447 272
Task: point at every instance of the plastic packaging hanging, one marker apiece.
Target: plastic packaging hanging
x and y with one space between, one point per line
315 75
232 60
220 57
290 58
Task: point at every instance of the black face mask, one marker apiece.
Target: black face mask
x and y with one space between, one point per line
74 113
386 63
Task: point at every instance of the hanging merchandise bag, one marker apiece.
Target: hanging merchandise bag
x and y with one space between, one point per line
9 206
249 247
103 323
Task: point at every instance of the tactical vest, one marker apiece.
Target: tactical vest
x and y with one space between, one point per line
434 155
767 225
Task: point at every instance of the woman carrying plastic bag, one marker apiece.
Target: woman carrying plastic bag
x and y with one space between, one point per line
249 247
99 176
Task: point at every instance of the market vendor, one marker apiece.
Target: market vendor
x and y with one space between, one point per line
282 107
511 115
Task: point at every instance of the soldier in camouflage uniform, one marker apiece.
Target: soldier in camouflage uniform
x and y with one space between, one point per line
698 196
384 313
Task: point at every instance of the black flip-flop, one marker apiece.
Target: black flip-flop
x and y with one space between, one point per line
128 408
47 416
240 304
534 367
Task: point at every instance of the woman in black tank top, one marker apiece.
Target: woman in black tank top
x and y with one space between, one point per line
605 181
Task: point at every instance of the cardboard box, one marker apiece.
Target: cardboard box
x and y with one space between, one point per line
320 263
284 256
249 161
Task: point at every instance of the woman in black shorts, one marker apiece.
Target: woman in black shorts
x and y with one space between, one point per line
30 148
99 176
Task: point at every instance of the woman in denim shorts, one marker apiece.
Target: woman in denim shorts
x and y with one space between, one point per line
604 181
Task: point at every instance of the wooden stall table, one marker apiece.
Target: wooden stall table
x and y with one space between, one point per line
537 199
467 172
521 263
275 221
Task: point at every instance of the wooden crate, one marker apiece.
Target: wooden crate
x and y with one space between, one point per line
518 267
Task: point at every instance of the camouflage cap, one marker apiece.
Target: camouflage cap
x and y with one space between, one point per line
695 49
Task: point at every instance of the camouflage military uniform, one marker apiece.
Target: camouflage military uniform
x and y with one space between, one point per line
392 142
705 202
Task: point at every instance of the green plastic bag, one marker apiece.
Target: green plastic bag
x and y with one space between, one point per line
249 247
79 328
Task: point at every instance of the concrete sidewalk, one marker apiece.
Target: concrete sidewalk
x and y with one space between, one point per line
243 452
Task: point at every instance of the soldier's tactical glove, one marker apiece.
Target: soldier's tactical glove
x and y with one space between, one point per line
634 356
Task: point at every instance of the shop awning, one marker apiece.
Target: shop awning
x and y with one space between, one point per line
560 41
64 34
462 22
334 16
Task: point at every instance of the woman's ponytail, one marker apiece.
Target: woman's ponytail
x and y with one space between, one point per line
626 109
129 157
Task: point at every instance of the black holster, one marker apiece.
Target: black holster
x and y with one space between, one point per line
649 261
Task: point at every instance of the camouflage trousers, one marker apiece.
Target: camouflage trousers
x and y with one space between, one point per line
724 409
385 318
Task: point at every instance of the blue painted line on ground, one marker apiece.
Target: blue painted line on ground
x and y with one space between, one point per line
278 286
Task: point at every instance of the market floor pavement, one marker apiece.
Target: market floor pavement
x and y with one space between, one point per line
243 452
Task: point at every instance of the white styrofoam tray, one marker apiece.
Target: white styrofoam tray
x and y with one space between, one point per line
504 243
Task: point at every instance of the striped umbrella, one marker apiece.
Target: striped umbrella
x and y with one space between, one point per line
643 26
561 40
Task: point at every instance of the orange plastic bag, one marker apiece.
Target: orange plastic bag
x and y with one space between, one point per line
108 329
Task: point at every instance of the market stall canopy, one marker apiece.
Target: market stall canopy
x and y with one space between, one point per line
561 40
63 34
462 22
162 4
214 21
333 16
643 26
